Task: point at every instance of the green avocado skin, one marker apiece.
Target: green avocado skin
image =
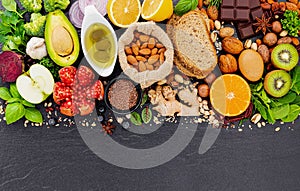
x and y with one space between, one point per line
58 19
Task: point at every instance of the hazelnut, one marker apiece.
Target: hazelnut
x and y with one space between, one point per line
228 64
276 27
203 90
270 39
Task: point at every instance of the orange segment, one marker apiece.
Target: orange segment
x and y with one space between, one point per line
230 95
122 13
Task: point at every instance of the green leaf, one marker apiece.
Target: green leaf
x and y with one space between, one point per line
289 98
135 119
33 115
14 99
296 101
184 6
14 112
4 93
296 88
144 99
146 115
293 114
26 103
10 5
14 91
281 111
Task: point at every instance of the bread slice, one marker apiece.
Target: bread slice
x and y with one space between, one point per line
195 53
193 45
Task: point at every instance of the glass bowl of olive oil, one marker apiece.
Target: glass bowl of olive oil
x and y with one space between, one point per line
99 42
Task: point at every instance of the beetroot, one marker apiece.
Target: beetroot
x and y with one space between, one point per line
11 66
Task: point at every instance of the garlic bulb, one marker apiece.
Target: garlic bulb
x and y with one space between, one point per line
36 48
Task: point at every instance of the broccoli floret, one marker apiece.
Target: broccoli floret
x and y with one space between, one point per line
52 5
32 5
36 26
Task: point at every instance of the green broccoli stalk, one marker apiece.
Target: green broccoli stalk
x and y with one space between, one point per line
32 5
36 26
52 5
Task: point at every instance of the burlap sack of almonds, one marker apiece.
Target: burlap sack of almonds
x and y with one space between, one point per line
148 77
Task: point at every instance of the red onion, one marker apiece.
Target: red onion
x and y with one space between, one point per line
99 4
75 14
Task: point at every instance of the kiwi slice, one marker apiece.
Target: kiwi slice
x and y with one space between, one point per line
277 83
285 56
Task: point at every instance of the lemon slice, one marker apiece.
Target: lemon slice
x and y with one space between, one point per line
157 10
122 13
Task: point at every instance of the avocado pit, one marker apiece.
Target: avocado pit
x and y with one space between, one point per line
62 41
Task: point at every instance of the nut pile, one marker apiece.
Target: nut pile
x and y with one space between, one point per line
145 52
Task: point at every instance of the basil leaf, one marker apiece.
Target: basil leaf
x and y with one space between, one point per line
14 91
14 112
26 103
146 115
34 115
4 93
14 99
281 111
184 6
293 114
135 119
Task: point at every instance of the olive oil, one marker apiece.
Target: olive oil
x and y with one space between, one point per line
100 45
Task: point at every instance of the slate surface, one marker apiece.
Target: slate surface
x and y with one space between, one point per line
58 159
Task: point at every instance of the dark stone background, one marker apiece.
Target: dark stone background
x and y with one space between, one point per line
58 159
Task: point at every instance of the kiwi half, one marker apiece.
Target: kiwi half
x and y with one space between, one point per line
285 56
277 83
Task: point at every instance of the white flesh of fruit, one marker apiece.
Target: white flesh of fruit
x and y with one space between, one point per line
36 87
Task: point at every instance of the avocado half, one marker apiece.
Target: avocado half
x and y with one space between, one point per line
61 39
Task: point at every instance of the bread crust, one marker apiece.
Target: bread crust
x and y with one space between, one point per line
183 61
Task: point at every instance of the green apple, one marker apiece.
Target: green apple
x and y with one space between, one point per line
36 84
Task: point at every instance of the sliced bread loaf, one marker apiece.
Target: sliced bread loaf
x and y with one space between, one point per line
195 52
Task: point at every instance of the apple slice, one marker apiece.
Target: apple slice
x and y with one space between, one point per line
36 84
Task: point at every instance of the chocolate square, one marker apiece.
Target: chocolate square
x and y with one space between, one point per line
242 4
258 12
242 14
245 30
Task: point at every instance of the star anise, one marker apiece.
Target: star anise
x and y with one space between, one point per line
262 24
107 128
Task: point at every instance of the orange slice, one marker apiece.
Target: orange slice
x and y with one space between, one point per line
230 95
157 10
122 13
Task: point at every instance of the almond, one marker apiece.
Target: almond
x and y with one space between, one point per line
132 60
154 51
265 6
142 66
145 51
149 67
153 59
138 43
135 49
151 43
291 6
161 58
128 50
141 58
285 40
232 45
158 45
294 1
145 45
162 50
137 34
144 38
295 41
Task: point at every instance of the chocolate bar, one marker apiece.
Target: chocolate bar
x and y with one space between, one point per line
235 10
245 29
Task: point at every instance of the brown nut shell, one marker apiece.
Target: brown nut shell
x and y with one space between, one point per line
226 32
232 45
264 52
228 64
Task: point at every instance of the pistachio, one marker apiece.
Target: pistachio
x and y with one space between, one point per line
178 78
213 36
248 43
283 33
256 118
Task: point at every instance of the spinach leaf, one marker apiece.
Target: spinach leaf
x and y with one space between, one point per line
4 93
293 114
34 115
14 112
281 111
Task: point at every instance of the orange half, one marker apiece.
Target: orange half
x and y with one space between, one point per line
230 95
